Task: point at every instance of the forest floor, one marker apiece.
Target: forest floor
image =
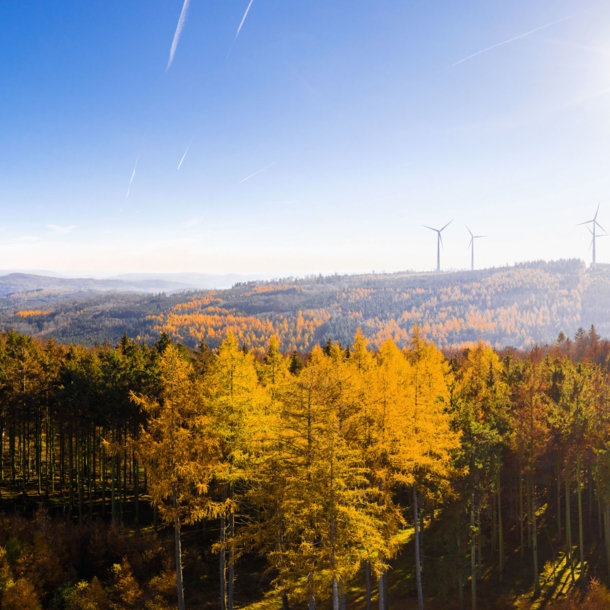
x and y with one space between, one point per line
514 591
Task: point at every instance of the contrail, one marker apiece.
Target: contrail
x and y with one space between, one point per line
184 155
499 44
133 175
243 19
258 172
177 33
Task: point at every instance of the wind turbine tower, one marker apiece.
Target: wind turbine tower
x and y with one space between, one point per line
439 243
471 246
593 230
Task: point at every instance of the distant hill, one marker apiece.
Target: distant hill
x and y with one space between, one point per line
23 282
509 306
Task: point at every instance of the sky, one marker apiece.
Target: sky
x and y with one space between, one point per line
289 138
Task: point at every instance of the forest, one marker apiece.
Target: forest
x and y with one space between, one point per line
517 306
160 476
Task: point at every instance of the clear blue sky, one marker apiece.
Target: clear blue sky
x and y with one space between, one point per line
363 125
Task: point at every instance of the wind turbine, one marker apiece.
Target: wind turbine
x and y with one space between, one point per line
471 246
593 230
439 243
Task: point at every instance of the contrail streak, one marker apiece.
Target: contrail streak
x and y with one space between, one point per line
499 44
243 19
184 155
133 175
258 172
177 33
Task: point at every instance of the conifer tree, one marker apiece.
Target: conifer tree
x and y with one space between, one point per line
180 449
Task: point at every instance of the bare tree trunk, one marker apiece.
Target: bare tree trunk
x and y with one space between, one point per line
381 588
473 556
521 543
500 532
420 593
581 544
335 594
231 566
558 506
534 540
178 546
607 534
367 573
479 544
311 600
569 559
223 566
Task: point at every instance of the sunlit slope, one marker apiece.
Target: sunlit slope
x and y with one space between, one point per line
517 306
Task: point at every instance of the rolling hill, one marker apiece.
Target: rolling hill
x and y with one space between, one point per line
508 306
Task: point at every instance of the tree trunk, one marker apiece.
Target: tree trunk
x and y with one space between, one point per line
559 506
607 534
569 559
311 600
534 540
460 575
479 544
473 555
231 567
521 543
223 566
335 594
581 544
528 491
178 546
500 532
382 589
367 575
136 489
420 593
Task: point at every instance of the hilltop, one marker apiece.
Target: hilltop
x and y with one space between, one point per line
509 306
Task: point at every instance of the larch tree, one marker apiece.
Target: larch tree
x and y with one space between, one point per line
237 402
481 414
181 450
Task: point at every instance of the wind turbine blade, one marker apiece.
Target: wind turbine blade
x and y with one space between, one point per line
602 228
440 238
431 229
469 231
585 223
479 236
447 225
470 243
597 211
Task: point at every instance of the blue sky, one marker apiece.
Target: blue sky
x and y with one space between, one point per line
363 125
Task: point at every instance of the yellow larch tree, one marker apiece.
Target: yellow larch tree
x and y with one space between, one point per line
423 439
180 450
237 402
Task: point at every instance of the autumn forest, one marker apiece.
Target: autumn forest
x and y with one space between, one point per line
163 477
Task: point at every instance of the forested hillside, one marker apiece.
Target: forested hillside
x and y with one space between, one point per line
513 306
160 477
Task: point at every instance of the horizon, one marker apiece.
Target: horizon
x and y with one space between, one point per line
267 277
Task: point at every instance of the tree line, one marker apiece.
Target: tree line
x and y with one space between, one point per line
325 464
